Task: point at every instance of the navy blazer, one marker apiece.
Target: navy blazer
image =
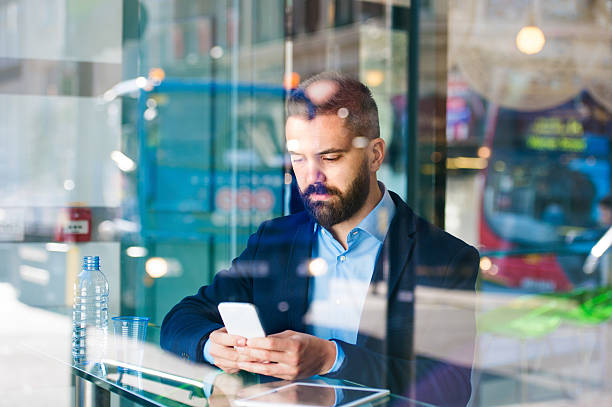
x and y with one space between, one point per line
272 274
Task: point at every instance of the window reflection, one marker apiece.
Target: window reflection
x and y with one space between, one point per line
152 134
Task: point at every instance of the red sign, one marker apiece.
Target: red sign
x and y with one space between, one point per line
74 225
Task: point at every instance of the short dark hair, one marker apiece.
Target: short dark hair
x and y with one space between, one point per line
350 94
606 201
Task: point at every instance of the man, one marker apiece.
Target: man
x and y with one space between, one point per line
334 284
604 212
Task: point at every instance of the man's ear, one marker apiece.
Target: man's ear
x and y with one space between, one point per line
377 153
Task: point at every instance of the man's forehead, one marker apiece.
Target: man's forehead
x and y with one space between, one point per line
322 125
321 132
296 125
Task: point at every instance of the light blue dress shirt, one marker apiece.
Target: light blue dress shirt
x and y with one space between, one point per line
338 294
339 290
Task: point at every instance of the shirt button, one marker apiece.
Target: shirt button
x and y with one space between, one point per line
342 258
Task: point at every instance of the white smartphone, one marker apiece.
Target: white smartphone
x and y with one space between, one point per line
242 319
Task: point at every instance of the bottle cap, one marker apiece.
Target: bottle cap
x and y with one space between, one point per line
91 263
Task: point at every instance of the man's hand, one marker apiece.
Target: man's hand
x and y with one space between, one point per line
288 355
223 350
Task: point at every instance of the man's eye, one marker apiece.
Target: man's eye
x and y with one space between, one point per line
331 157
296 159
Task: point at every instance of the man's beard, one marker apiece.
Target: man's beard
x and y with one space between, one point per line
333 211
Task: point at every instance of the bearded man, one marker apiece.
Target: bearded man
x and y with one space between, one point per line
335 283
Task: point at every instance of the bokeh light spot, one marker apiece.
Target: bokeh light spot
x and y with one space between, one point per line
283 306
216 52
156 267
136 251
485 263
360 142
530 40
293 145
317 267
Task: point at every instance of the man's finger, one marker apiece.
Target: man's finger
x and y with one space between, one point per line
230 354
279 370
269 343
238 354
233 364
265 355
227 366
223 352
225 339
226 363
286 333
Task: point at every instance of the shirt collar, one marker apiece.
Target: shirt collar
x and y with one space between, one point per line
379 219
377 222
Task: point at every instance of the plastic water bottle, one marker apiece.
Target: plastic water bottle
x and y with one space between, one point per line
90 314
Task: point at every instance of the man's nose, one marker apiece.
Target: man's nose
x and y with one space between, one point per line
315 174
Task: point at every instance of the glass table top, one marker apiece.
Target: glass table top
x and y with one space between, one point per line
158 378
564 366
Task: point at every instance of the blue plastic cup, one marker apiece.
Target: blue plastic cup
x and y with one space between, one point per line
130 334
134 328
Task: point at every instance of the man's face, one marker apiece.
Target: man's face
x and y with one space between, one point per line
332 174
605 215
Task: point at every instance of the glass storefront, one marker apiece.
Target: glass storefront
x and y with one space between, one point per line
153 134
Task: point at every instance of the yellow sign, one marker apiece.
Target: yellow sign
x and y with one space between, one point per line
569 144
556 134
555 126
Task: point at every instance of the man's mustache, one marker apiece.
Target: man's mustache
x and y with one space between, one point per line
320 189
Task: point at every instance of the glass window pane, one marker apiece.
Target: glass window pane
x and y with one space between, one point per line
413 195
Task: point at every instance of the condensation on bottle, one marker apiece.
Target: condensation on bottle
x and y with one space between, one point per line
89 314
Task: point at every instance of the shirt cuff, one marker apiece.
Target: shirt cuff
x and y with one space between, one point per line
339 359
207 356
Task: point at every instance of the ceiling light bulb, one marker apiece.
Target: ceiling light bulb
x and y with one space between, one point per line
530 40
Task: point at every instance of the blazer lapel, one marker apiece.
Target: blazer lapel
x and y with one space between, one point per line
399 242
298 277
390 266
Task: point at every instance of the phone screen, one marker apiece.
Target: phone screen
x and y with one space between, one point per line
242 319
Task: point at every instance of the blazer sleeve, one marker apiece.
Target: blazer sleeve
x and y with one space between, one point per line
187 326
427 379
